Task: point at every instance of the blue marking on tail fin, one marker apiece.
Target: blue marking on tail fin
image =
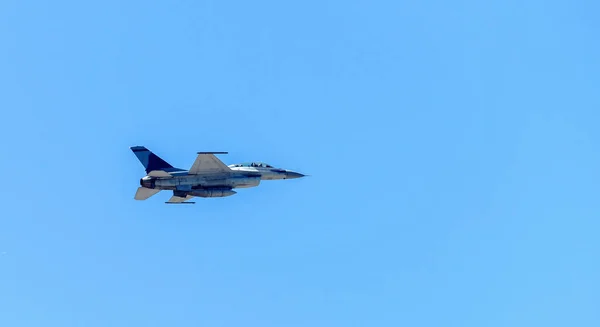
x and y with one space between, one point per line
151 161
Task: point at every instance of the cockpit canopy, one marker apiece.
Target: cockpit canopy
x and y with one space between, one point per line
252 164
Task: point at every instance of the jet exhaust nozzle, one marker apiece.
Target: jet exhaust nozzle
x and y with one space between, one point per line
147 182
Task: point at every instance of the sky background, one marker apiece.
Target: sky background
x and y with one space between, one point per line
453 148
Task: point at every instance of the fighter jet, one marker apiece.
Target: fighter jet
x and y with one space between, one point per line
208 177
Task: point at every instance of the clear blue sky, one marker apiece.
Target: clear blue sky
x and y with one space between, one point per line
454 150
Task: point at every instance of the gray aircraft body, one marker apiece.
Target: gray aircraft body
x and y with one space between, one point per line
208 177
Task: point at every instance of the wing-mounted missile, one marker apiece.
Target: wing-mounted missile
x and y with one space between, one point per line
183 202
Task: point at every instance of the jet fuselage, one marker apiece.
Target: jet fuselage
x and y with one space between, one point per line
240 177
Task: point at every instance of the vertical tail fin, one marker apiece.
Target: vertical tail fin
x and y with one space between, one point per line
150 161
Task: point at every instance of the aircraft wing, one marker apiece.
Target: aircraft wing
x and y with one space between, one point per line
143 193
207 163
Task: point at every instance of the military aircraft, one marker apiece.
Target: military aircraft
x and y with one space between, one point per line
208 177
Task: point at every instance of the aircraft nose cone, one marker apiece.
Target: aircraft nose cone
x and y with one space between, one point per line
292 175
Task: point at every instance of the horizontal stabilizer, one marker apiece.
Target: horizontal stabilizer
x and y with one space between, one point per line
143 193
